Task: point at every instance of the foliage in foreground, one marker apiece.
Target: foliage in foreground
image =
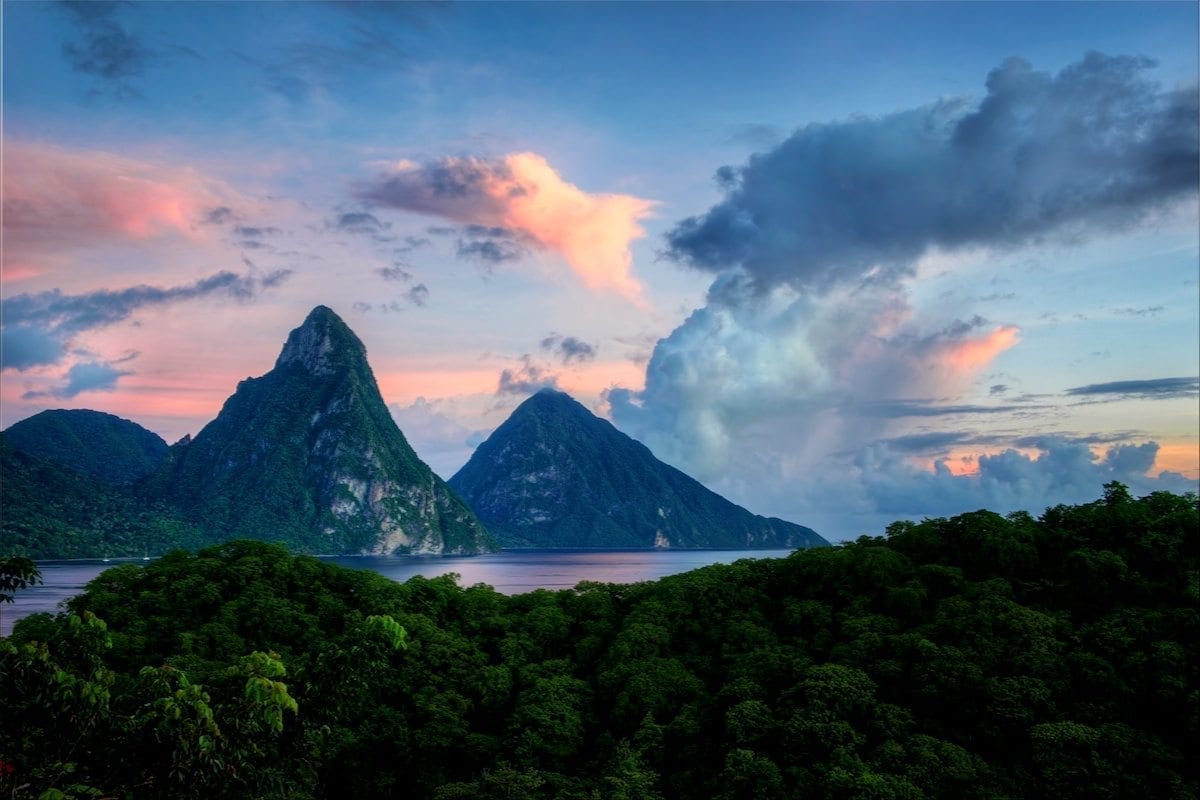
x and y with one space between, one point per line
978 656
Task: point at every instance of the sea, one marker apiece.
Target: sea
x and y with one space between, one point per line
508 572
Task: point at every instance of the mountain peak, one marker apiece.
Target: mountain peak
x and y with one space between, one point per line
556 475
308 453
322 344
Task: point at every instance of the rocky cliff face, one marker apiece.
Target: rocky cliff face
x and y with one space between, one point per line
309 454
555 475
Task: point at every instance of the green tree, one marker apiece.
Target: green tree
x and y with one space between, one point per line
17 572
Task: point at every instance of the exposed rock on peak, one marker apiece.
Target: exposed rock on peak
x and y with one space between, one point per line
322 344
309 454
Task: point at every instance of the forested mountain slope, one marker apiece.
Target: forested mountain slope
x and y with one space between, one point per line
96 444
556 475
308 455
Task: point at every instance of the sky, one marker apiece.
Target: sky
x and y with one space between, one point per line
844 263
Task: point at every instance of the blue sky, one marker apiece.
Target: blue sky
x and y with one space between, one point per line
843 262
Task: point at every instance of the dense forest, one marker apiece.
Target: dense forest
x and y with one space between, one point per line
978 656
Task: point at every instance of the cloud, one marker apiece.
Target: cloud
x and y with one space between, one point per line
745 358
1061 472
418 295
900 409
352 43
396 272
1158 388
31 322
218 216
526 380
1147 311
57 199
249 232
568 348
24 346
442 442
360 222
89 376
521 192
412 243
104 49
493 245
1094 148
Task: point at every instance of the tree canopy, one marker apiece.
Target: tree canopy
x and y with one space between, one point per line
976 656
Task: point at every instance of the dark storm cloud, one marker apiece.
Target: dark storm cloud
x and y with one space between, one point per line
33 321
568 348
1097 146
1144 390
103 48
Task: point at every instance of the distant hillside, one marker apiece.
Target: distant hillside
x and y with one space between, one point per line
556 475
49 511
92 442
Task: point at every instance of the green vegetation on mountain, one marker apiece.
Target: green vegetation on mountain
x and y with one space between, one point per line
100 445
979 656
556 475
50 511
308 455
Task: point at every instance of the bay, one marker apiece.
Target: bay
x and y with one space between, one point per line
508 572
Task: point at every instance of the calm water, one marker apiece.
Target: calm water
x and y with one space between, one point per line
510 572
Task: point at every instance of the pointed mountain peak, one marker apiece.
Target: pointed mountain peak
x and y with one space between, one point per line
550 399
556 475
322 344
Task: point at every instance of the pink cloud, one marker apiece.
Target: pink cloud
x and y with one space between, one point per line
56 198
968 356
523 193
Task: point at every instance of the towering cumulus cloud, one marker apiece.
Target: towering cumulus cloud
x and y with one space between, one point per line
1097 146
808 351
522 193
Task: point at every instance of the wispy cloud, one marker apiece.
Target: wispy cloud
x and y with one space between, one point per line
568 349
359 222
104 48
524 194
526 379
1157 388
88 376
38 328
58 200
